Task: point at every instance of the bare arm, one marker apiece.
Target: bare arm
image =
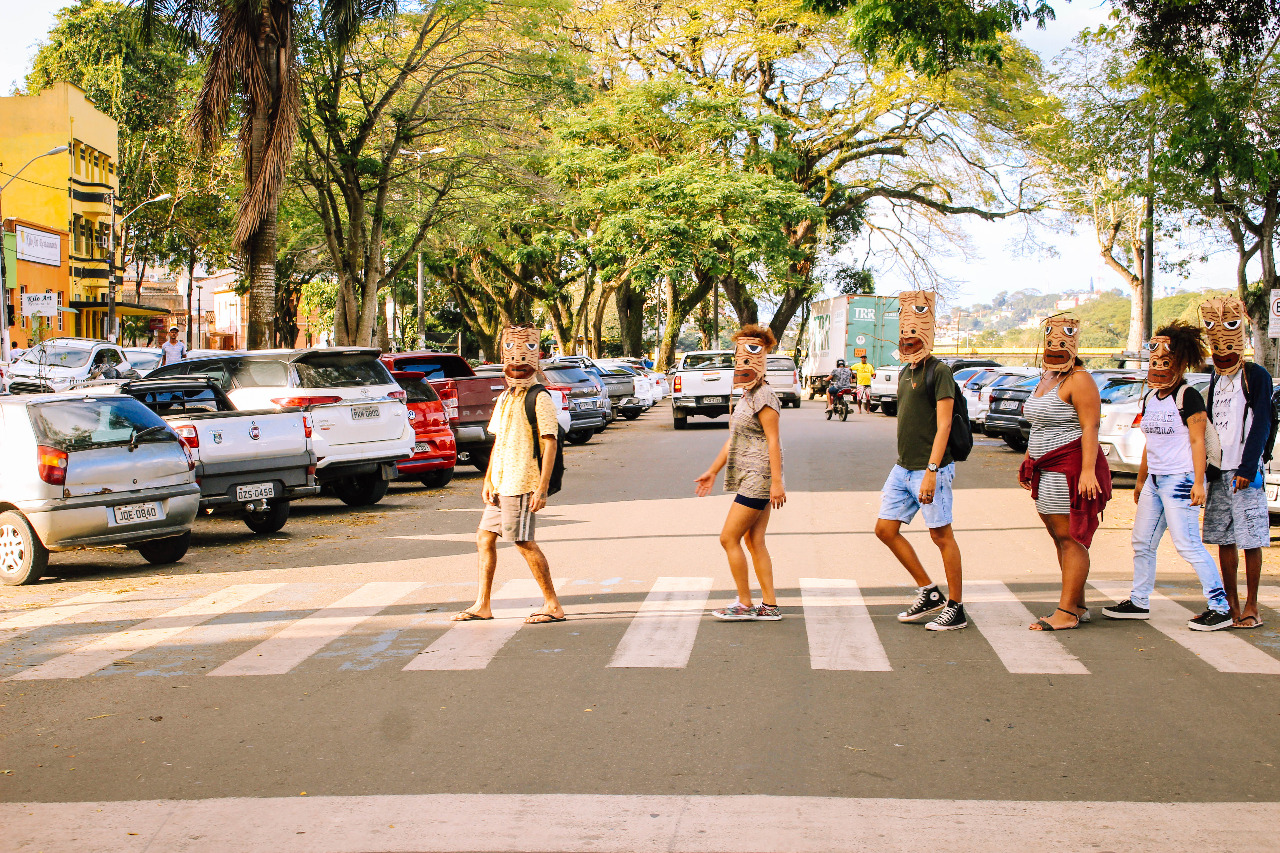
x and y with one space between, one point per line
929 483
1196 426
1083 395
704 481
769 422
549 450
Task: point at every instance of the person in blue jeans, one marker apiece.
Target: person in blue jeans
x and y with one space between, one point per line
1170 491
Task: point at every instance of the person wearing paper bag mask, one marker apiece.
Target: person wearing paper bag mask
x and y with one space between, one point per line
752 458
921 479
1239 403
515 483
1064 469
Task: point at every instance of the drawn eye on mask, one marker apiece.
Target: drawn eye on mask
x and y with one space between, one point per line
1224 323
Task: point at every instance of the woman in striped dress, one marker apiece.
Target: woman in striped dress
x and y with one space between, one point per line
1064 409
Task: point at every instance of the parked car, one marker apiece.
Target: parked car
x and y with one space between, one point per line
784 378
60 364
586 399
702 384
1002 376
621 388
256 462
1004 416
884 389
85 471
468 398
662 388
143 359
434 452
361 425
1120 434
645 391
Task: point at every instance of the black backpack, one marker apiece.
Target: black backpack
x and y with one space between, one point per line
960 441
531 412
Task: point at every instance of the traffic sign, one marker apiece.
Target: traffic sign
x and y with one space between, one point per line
40 305
1273 322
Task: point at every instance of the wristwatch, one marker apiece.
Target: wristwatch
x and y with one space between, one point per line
932 467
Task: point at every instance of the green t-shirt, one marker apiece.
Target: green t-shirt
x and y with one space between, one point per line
918 413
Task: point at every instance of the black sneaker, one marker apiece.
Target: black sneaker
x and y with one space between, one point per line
1126 610
950 619
1210 620
928 601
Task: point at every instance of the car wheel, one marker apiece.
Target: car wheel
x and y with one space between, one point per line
171 549
1016 441
480 461
23 557
889 409
268 520
873 407
579 436
795 404
437 479
360 490
631 414
680 421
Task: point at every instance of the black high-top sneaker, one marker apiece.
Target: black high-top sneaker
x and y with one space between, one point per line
929 600
950 619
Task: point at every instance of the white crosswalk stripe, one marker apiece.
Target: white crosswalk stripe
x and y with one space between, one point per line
1222 650
471 645
307 636
44 616
105 651
838 624
1003 620
665 627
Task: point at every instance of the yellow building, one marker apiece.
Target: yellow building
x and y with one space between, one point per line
69 193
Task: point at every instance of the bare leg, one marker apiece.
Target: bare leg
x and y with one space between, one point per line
542 574
1229 561
890 533
487 552
736 524
1073 560
760 558
945 539
1252 575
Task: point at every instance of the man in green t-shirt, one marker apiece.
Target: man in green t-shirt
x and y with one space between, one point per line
921 480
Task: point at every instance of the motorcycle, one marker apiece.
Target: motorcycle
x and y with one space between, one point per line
843 402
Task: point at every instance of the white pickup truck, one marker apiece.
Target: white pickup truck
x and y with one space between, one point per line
254 462
702 384
884 389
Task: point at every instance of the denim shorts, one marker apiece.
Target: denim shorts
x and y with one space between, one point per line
1234 517
900 497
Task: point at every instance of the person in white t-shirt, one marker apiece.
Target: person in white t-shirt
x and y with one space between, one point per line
174 350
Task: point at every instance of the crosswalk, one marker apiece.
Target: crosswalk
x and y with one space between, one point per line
272 629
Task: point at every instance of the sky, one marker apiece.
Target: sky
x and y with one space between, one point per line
993 261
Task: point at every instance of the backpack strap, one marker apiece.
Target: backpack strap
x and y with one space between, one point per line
531 414
929 375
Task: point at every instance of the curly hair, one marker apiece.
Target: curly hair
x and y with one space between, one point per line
761 333
1186 344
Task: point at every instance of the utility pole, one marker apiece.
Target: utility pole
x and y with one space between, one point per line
1149 259
715 314
422 309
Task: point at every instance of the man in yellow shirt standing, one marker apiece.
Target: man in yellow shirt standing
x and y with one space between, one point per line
863 372
515 485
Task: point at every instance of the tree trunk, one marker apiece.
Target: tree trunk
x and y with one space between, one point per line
629 301
261 250
740 300
191 283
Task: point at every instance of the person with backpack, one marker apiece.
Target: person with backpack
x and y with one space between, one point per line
921 480
752 459
1064 469
1171 478
1239 404
523 470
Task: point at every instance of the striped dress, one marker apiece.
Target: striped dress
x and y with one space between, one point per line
1053 424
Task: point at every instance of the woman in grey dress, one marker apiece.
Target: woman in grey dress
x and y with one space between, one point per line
1064 408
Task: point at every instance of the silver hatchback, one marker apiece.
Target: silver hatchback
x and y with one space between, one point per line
83 471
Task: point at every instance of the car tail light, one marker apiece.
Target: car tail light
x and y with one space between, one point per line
795 377
305 402
564 390
311 471
191 460
52 465
306 424
187 433
1137 420
448 393
676 388
398 395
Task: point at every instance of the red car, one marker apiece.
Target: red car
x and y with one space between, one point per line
434 450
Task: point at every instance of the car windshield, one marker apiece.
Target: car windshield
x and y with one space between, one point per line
437 367
781 363
53 354
417 390
1120 391
142 360
707 361
566 375
1029 382
980 380
963 376
341 370
180 401
88 423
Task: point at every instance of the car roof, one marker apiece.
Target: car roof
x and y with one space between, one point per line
74 343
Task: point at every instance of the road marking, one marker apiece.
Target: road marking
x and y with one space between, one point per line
1269 596
841 634
471 645
308 635
41 617
1003 621
665 627
585 823
1220 649
106 650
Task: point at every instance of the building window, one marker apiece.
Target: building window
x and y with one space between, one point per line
83 155
22 288
59 308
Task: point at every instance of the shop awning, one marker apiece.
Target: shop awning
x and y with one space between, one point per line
122 308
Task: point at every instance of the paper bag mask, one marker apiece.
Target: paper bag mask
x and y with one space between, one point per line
1160 372
1224 320
1061 342
521 346
916 323
749 362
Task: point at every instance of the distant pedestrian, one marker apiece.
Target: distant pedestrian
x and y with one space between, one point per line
921 481
1239 404
752 458
1064 469
1171 478
518 479
173 349
864 370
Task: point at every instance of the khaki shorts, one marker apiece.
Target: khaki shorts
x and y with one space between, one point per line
511 518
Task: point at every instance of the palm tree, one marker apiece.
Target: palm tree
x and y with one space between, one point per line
253 65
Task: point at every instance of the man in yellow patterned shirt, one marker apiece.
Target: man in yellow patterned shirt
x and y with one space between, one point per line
515 485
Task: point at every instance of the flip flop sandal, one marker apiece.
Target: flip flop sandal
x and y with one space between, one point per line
543 619
1046 626
1257 623
468 616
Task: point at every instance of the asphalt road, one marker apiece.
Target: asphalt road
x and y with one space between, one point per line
318 663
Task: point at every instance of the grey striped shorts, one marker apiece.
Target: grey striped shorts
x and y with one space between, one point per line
511 518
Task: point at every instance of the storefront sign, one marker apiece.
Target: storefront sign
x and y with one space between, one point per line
39 247
40 305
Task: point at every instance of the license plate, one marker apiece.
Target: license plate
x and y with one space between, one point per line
1008 404
365 413
135 513
421 447
713 399
257 490
1273 493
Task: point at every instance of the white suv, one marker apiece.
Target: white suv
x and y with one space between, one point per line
60 364
361 424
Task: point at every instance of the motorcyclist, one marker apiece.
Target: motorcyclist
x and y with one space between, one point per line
840 379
